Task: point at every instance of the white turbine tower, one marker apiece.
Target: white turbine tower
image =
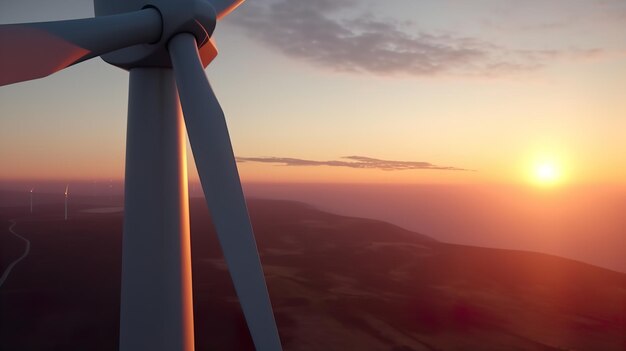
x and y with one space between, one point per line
31 200
66 193
165 44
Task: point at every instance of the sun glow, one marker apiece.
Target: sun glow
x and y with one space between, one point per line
547 173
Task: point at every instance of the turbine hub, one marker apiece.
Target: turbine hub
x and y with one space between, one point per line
197 17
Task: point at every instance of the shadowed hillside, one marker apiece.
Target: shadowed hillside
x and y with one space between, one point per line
337 283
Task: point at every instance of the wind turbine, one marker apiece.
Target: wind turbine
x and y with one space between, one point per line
66 193
165 44
31 200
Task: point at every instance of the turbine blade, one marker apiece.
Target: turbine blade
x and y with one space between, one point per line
210 143
224 7
34 50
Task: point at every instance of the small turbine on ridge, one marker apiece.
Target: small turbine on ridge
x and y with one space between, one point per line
66 193
31 200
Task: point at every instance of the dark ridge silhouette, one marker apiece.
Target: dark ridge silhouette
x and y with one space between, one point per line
336 283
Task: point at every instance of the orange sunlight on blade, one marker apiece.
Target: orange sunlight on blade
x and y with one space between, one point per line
185 240
29 53
208 52
229 9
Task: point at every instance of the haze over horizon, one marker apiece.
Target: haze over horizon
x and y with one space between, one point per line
581 223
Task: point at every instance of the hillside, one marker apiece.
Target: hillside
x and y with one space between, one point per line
337 283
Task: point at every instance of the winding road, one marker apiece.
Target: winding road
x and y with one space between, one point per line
6 273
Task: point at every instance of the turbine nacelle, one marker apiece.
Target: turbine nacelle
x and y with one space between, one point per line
197 17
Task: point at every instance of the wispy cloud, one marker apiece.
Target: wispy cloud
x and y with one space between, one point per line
352 162
316 31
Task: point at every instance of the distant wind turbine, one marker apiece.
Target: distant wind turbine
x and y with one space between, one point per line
66 193
165 44
31 200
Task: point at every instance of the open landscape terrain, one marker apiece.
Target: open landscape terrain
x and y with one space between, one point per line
336 283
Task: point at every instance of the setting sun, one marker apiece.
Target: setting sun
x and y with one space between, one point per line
546 173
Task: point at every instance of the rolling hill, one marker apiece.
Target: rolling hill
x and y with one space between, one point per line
336 282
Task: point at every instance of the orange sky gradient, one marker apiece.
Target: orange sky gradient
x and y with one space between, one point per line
486 89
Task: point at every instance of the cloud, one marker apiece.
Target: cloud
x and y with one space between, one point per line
353 162
319 32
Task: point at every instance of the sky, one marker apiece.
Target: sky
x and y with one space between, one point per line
474 92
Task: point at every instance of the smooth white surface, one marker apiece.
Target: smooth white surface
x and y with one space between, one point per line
156 302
